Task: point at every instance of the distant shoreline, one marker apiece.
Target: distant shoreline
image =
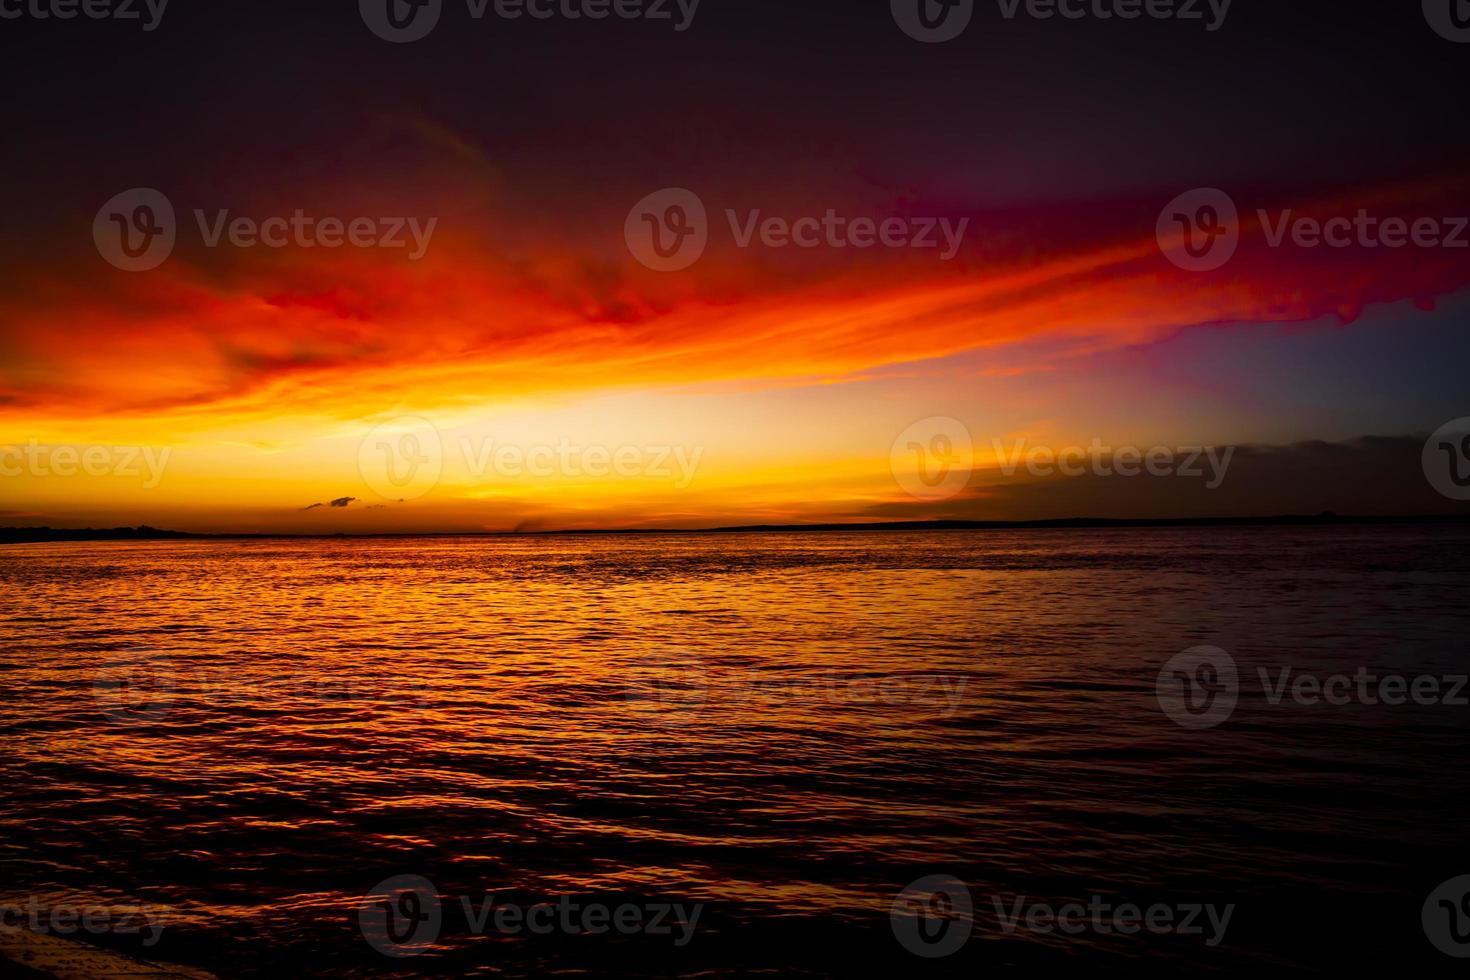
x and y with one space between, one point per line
37 535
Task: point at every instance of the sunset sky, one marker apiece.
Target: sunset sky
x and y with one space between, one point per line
780 377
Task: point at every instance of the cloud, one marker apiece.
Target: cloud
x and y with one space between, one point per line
1368 476
241 335
340 502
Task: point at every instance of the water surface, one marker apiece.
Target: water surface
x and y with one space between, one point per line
786 729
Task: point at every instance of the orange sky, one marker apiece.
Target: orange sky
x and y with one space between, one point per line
781 379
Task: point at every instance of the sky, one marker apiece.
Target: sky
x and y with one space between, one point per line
506 350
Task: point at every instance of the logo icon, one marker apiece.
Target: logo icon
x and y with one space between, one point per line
933 916
402 459
401 21
1199 230
1449 18
669 688
932 459
668 230
1446 917
1198 688
134 687
933 21
1446 459
401 916
135 231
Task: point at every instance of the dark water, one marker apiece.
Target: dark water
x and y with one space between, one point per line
244 739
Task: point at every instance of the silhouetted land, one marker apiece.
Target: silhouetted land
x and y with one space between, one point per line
22 535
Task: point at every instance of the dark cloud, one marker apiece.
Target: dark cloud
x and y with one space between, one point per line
339 503
1368 476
